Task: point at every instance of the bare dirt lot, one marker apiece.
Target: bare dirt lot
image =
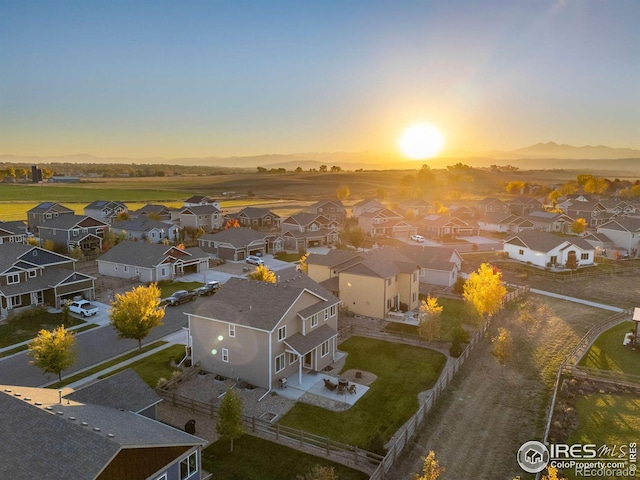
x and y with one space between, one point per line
491 409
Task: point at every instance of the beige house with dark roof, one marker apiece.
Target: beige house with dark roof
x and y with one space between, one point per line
264 333
438 265
332 209
256 217
624 232
368 283
386 223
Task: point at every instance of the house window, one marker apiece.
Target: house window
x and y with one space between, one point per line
162 477
232 330
164 271
188 466
326 314
115 267
280 363
388 304
13 278
521 252
389 282
125 268
584 256
32 273
225 355
333 310
324 349
293 358
15 301
137 271
553 259
282 333
47 215
314 320
415 276
75 232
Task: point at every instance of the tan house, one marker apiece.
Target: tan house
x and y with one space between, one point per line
237 243
386 223
304 230
255 217
264 333
368 283
332 209
206 217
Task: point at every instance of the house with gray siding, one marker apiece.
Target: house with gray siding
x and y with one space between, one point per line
13 232
146 229
45 211
237 243
69 232
206 217
624 232
150 262
438 265
105 210
264 333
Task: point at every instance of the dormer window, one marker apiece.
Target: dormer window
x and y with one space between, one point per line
13 278
75 232
314 320
32 273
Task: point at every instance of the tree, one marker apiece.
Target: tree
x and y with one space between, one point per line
431 469
425 175
596 185
232 223
263 274
318 472
336 168
515 187
49 245
484 290
136 312
302 266
502 345
76 253
230 417
579 226
355 237
124 215
262 170
343 192
298 170
323 168
53 351
430 316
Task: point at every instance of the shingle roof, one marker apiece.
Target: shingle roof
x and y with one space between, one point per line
239 237
333 258
201 210
10 253
142 254
320 203
432 258
198 199
100 204
49 206
124 390
17 227
383 263
142 224
544 241
150 208
50 278
629 224
66 222
258 304
256 212
303 344
305 218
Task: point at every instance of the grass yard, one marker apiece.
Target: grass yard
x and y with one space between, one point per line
169 288
287 257
608 353
155 366
26 326
403 371
253 458
606 419
105 365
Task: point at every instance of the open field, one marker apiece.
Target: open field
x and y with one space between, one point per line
489 409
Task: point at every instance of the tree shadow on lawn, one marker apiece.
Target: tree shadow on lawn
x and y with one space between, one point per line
403 372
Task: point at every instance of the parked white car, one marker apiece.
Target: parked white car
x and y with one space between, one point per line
255 260
417 238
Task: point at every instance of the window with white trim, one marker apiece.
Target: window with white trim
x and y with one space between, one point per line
280 363
15 301
324 349
188 466
32 273
282 333
164 271
13 278
75 232
293 358
326 314
314 320
333 310
521 252
232 330
415 276
225 355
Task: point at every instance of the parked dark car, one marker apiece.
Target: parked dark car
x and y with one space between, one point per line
180 296
208 288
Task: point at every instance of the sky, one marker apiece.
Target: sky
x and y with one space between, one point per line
189 78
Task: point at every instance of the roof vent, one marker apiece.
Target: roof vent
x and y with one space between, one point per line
17 394
38 404
96 429
110 435
72 418
60 413
8 390
84 424
27 399
49 408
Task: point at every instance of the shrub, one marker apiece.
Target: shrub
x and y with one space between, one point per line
455 350
375 443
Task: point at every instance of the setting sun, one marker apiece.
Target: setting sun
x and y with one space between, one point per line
421 141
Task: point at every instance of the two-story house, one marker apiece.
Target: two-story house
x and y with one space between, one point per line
105 210
386 223
256 217
263 332
45 211
150 262
550 222
332 209
198 200
624 232
491 205
523 206
237 243
366 205
206 217
13 232
372 283
438 265
153 211
303 230
32 276
74 231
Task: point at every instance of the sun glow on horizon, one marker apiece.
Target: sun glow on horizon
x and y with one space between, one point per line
421 141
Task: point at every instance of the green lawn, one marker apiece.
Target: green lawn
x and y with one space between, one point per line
104 365
26 326
608 353
169 288
606 419
155 366
403 371
287 257
254 458
454 314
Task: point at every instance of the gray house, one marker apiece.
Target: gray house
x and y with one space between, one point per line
13 232
32 276
50 434
151 262
74 231
105 210
206 217
438 265
146 229
263 333
45 211
238 243
258 218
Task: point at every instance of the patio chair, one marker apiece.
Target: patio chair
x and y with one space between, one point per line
352 388
329 384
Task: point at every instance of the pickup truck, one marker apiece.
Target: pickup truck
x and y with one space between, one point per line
208 288
83 307
179 297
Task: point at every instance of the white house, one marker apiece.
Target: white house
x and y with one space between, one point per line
545 249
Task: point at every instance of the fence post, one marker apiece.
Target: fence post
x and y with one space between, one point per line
253 423
277 431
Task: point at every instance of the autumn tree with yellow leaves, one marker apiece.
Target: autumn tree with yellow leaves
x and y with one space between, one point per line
484 290
430 318
136 312
53 351
262 274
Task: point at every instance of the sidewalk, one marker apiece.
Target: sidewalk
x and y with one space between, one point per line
578 300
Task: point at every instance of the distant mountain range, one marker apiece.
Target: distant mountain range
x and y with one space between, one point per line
541 155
